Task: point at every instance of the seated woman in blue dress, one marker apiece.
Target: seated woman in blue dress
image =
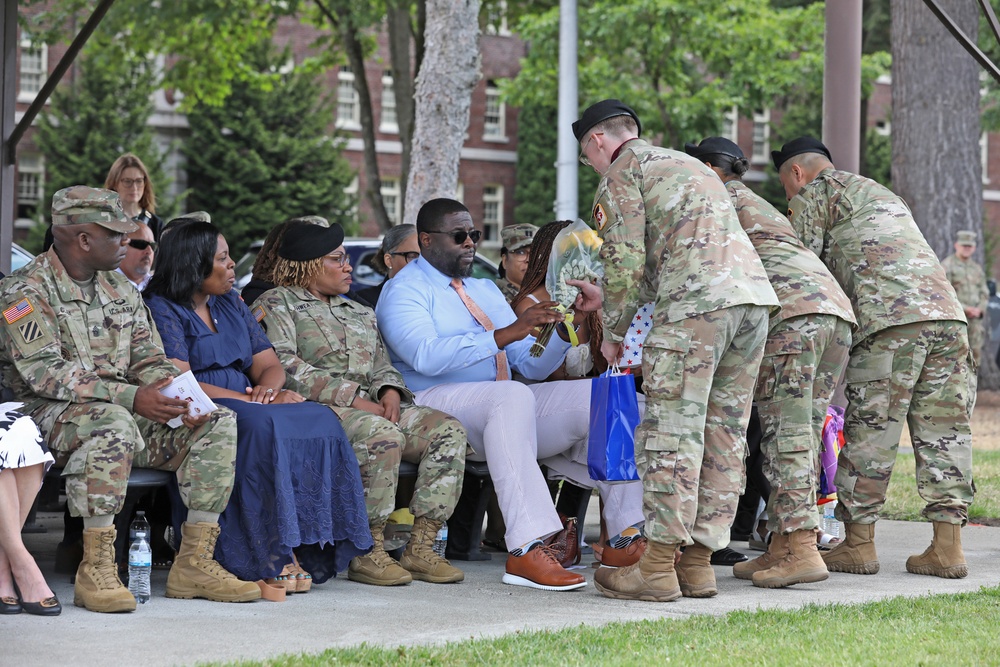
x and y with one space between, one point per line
298 485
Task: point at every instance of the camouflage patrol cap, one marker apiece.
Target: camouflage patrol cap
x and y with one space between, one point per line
81 205
600 112
805 144
965 237
518 236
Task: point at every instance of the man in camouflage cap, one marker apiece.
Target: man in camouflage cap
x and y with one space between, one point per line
671 236
334 355
78 347
909 358
514 255
969 281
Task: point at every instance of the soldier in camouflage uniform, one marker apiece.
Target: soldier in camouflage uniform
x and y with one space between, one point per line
671 236
77 346
514 256
805 355
910 357
969 281
333 354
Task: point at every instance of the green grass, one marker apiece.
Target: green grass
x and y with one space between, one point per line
904 503
933 630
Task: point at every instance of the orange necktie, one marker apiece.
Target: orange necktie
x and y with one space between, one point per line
486 323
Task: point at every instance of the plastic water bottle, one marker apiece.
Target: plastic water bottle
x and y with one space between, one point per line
140 559
441 540
830 524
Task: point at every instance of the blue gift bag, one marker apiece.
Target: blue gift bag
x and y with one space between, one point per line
614 415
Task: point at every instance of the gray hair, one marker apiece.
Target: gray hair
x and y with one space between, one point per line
392 240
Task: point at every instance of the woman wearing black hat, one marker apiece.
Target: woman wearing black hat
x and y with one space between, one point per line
297 481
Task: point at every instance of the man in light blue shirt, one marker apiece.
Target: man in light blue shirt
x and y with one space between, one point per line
455 362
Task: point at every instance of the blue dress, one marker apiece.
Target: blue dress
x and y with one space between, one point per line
297 479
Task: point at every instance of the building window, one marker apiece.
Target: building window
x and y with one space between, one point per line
493 118
730 125
34 68
460 192
348 104
389 188
984 156
30 184
352 193
761 136
492 214
883 128
389 123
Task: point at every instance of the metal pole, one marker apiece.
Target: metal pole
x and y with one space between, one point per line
8 96
57 74
842 83
567 203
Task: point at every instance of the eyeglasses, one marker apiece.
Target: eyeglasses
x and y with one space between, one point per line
132 182
459 235
584 160
409 256
140 244
521 252
342 259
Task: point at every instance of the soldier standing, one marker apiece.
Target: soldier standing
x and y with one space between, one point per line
514 257
77 346
334 354
805 354
910 356
969 281
671 236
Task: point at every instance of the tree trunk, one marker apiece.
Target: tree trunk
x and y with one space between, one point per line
447 76
398 21
936 159
936 164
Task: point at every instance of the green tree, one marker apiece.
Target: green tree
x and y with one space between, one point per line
264 155
92 121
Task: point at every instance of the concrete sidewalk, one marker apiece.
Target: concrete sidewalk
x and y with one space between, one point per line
342 613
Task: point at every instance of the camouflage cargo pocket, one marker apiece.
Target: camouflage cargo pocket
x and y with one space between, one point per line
663 356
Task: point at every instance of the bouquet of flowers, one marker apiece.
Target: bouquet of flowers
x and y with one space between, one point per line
574 256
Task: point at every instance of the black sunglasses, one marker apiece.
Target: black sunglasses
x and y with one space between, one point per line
140 244
459 235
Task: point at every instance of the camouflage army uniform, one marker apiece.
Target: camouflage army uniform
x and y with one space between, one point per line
333 353
508 288
671 235
969 281
910 354
805 354
77 362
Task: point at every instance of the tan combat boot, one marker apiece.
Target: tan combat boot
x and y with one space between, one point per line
944 557
419 558
98 587
378 568
196 574
801 565
695 573
652 578
856 554
776 550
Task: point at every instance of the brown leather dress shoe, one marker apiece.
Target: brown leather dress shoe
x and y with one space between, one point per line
630 555
566 543
539 568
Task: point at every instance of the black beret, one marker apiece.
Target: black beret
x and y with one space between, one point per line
600 112
304 241
714 146
799 146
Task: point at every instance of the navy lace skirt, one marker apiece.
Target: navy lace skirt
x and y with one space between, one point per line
297 486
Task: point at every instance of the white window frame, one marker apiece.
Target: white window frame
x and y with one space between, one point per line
392 197
352 191
492 215
30 166
761 151
40 74
732 118
347 96
496 20
460 192
494 130
389 122
984 156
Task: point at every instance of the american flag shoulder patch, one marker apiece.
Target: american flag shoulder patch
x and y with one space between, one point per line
17 311
258 313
